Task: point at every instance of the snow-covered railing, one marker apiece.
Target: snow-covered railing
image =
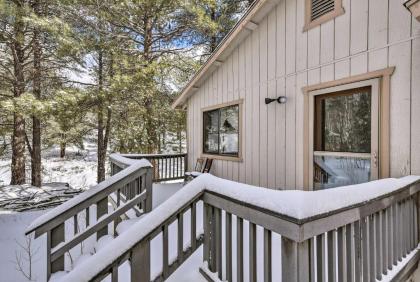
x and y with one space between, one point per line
137 177
355 233
166 166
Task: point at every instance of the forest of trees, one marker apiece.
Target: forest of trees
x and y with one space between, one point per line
109 69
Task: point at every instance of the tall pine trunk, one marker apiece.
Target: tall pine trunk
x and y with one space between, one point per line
100 116
36 123
104 123
18 139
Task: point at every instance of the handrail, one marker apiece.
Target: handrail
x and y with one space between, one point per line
295 215
136 177
80 202
166 166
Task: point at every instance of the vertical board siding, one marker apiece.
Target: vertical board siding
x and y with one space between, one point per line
272 93
278 59
263 108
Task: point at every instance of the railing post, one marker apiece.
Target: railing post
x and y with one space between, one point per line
185 164
207 215
295 260
149 190
140 262
54 237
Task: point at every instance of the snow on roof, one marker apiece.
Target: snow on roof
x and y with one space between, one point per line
295 203
135 165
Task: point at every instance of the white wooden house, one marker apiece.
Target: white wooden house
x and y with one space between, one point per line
307 51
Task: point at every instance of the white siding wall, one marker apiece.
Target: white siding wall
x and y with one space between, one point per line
279 59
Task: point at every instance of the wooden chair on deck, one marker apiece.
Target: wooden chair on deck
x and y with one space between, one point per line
203 165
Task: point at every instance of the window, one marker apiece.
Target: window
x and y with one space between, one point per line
342 138
327 105
345 135
221 131
320 11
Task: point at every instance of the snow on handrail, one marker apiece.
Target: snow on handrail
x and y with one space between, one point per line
295 204
133 166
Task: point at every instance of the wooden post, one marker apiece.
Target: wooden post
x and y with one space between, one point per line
185 164
140 262
54 237
101 209
295 260
207 229
149 190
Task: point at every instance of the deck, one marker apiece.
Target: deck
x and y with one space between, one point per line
236 232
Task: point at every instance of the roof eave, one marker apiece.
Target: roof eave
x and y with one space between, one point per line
245 26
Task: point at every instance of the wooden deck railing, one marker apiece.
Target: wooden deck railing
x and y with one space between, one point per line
136 180
362 241
166 166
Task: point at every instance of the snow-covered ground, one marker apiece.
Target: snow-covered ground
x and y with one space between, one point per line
78 167
14 244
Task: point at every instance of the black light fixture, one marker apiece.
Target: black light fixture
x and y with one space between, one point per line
280 100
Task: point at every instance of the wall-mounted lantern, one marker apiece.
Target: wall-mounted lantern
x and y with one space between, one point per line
280 100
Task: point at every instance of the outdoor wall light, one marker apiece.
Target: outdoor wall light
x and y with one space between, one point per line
280 100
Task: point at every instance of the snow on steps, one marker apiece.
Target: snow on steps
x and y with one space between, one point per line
188 272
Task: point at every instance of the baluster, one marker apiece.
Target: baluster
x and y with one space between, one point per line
395 234
140 262
101 209
390 248
365 249
384 245
349 269
372 259
400 231
312 258
413 223
148 182
185 164
87 214
228 246
193 226
267 256
404 230
173 159
75 224
341 258
218 240
331 256
54 237
239 249
114 273
166 168
357 250
180 237
253 252
207 225
378 246
165 255
319 258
